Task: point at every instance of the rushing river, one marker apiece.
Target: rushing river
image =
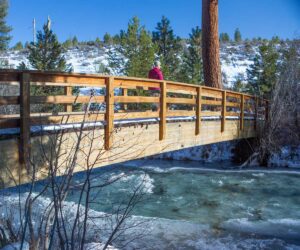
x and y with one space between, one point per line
192 205
210 206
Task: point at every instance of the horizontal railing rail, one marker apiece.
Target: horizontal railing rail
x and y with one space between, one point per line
119 98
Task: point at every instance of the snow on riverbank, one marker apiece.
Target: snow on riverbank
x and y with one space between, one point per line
286 157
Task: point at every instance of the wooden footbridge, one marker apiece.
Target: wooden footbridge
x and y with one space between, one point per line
111 115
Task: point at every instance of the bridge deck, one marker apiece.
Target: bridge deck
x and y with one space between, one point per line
112 119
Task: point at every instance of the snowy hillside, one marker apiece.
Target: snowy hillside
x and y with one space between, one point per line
90 59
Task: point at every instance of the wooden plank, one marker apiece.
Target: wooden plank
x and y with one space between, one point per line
42 119
24 147
223 119
211 102
178 91
173 100
109 115
9 100
48 79
9 123
233 114
68 92
242 112
61 99
198 111
134 83
211 93
190 89
163 111
233 104
136 99
211 113
7 77
174 113
134 115
233 94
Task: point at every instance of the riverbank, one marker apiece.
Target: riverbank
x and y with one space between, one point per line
287 157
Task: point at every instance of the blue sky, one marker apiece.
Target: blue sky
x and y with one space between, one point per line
88 19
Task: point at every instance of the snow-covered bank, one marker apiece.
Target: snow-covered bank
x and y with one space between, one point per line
287 157
208 153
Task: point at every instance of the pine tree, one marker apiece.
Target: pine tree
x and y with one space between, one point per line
47 52
262 74
192 68
224 38
98 41
75 41
107 39
18 46
136 49
211 44
169 48
4 28
237 36
68 43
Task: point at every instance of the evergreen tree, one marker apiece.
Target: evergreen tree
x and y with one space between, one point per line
237 36
75 41
262 74
136 49
192 68
47 52
22 66
98 41
4 28
169 48
18 46
107 39
239 85
68 43
224 38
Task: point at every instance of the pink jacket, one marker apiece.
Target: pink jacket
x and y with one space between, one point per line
156 74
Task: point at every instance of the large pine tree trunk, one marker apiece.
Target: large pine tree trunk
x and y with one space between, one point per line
210 43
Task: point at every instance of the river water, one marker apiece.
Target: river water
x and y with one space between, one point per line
188 205
192 205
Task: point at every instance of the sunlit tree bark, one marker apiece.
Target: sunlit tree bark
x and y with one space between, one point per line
210 43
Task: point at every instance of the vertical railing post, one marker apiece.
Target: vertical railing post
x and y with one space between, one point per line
223 111
256 113
163 111
24 149
242 112
125 93
198 110
68 92
109 115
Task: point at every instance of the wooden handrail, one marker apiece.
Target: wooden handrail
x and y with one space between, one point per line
194 98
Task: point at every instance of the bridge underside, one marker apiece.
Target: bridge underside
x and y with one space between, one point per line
130 141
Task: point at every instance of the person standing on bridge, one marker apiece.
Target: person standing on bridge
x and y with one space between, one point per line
155 73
